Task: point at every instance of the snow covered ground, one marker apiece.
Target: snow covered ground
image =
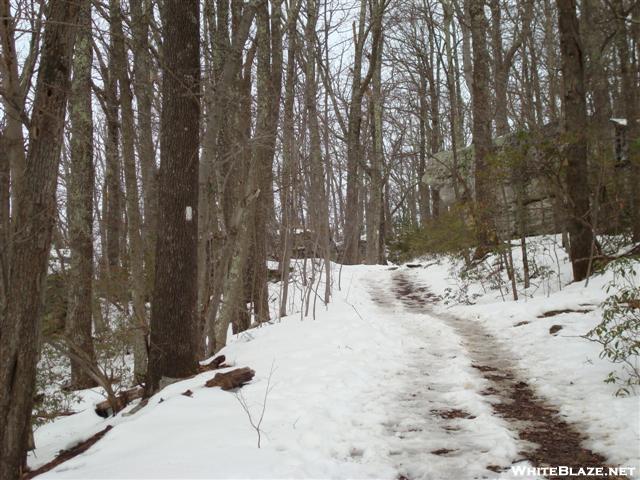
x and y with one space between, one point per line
564 368
360 392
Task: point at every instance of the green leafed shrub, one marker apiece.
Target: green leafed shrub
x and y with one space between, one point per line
619 331
445 235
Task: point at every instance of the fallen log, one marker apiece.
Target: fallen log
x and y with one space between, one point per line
214 364
105 409
65 455
231 380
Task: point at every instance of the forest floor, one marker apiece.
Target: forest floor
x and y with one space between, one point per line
387 382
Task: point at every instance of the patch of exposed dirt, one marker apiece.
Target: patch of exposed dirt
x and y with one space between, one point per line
495 468
550 439
453 413
555 329
520 324
442 451
556 441
498 376
553 313
484 368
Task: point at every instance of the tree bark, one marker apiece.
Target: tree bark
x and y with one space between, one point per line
172 342
113 188
423 188
575 126
551 58
482 143
143 67
222 170
34 218
5 221
132 198
629 94
351 242
319 213
269 85
287 183
80 191
353 219
13 97
374 252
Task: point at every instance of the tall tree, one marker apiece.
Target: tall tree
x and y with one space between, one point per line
80 192
288 148
269 88
172 343
629 111
112 184
144 71
375 251
132 198
574 127
359 85
15 86
234 182
34 215
319 210
482 142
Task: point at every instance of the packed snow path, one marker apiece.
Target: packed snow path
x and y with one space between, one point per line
545 439
385 383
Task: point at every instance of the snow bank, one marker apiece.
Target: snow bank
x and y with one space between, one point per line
356 392
565 368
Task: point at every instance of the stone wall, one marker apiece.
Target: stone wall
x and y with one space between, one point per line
522 166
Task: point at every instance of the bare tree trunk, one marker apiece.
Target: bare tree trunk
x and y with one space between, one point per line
234 282
575 126
629 84
15 88
113 189
5 222
502 60
434 94
34 218
351 241
269 84
13 97
222 175
359 85
134 220
600 131
318 196
454 119
423 188
173 312
500 68
375 204
80 191
141 11
551 58
482 142
464 19
288 148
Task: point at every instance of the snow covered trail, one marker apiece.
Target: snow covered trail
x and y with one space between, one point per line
381 385
440 425
546 439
